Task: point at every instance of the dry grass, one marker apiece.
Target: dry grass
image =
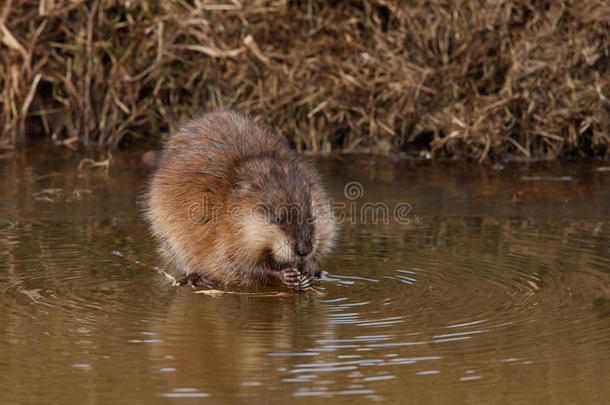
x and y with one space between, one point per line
469 79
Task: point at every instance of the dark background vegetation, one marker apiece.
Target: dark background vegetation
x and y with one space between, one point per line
471 79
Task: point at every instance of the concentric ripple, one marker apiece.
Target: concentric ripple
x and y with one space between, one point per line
477 300
504 308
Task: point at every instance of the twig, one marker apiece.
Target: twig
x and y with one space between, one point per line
93 164
218 293
158 269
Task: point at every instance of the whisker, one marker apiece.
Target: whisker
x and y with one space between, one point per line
279 248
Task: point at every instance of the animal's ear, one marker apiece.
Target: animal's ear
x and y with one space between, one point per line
242 186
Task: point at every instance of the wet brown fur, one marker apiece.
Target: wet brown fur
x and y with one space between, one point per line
224 159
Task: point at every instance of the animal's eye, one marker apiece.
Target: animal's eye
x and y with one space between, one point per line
279 220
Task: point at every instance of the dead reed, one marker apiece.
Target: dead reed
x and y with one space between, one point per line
473 79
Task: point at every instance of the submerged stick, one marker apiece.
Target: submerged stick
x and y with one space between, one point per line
218 293
158 269
211 292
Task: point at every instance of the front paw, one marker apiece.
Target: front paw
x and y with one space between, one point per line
292 278
305 281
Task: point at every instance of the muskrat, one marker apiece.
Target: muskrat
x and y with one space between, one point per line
232 203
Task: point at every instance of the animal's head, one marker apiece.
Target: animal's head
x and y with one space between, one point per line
274 209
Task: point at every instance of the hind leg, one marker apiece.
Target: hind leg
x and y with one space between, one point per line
196 280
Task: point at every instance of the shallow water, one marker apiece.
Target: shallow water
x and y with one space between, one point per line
486 285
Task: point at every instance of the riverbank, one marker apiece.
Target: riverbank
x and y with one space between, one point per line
464 80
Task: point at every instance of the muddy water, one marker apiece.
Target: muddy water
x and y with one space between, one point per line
464 284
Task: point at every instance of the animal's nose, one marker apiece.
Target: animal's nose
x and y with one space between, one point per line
303 248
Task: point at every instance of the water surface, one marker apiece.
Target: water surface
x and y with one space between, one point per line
488 285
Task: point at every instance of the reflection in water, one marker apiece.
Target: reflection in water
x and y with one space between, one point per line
495 294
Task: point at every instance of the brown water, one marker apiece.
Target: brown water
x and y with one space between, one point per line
492 286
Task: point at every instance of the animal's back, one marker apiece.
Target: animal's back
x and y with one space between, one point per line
218 140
